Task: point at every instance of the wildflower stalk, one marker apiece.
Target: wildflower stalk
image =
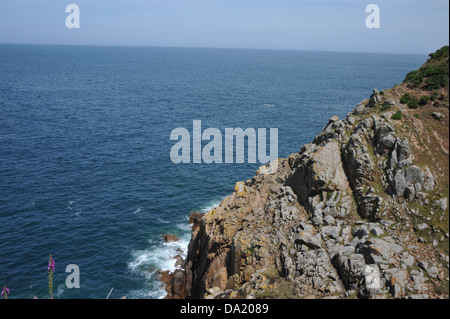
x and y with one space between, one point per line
51 270
5 292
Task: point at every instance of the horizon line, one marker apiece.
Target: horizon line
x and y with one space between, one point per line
201 47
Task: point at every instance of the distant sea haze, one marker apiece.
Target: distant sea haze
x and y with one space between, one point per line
85 169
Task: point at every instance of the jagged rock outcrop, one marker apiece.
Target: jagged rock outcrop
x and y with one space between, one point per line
336 220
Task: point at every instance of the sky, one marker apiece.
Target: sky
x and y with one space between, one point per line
406 26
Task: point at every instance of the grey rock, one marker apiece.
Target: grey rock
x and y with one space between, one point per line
310 240
421 195
389 140
396 280
442 203
374 99
410 192
359 110
377 231
361 231
423 264
318 272
429 182
433 272
350 268
407 177
317 221
333 119
329 220
422 226
419 296
375 250
334 232
438 116
403 149
390 102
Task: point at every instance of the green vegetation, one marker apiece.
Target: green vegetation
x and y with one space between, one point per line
281 289
440 54
433 75
385 107
397 116
405 98
381 92
329 194
434 96
413 103
424 100
416 115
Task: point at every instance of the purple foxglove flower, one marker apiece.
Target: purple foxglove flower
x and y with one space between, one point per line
5 291
51 264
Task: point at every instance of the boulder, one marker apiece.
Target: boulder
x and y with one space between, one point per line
318 272
374 98
350 266
442 203
359 110
376 251
396 280
408 176
170 238
376 230
438 116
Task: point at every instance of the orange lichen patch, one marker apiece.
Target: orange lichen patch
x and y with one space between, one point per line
375 249
240 189
393 281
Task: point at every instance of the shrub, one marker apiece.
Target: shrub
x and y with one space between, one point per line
385 107
381 92
433 75
416 115
397 116
424 100
436 81
434 96
414 78
405 98
439 54
413 103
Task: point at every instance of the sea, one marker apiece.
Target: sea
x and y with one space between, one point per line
85 167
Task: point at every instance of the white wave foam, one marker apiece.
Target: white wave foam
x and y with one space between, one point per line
212 204
159 257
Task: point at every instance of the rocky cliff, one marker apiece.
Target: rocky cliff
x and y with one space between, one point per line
361 212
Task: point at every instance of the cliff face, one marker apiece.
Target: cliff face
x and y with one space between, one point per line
359 212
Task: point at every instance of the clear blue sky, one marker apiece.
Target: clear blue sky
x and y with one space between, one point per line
407 26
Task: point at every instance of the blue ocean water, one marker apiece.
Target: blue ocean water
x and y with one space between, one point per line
85 172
